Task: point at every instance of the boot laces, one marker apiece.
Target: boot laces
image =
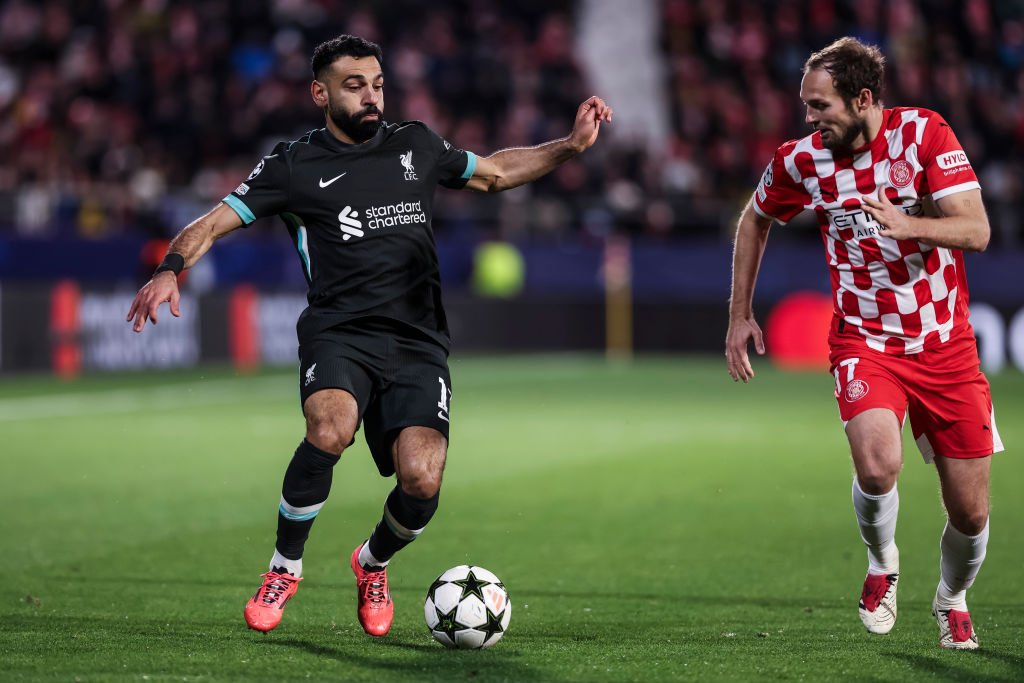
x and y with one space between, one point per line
373 585
275 587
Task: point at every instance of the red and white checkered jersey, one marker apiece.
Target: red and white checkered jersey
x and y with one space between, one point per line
900 295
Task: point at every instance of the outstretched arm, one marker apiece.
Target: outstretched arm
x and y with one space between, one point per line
513 167
748 248
191 243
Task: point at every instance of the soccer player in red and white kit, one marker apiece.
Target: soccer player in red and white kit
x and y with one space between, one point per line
897 203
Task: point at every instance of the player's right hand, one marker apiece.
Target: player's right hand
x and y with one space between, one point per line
589 117
163 287
741 331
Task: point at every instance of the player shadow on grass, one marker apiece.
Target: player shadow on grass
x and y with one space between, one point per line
415 660
941 667
672 599
168 580
1011 659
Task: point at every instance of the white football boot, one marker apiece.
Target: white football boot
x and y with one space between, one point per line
955 629
877 606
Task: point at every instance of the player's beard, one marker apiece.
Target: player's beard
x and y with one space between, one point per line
353 125
841 140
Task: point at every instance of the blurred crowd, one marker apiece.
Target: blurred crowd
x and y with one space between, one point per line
135 116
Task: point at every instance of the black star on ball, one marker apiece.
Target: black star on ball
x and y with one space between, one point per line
472 586
493 625
447 624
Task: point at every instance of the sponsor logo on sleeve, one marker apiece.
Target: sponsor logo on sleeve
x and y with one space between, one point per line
766 182
241 189
954 159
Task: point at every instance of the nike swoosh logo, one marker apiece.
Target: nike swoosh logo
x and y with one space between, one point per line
325 184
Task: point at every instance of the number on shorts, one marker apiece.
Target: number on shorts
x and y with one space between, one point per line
849 363
446 395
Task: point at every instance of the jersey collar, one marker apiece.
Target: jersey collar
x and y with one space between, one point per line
337 145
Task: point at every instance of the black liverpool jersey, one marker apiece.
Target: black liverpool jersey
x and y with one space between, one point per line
360 219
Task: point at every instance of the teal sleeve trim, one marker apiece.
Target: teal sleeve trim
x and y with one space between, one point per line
240 208
470 166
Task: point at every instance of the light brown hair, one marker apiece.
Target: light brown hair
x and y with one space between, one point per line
853 66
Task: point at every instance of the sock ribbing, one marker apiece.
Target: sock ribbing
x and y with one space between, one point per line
960 562
405 516
876 517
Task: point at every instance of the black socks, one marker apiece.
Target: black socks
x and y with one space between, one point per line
307 483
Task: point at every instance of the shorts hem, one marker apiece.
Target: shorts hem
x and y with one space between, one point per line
867 406
969 456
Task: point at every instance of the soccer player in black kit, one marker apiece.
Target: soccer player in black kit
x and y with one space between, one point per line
357 198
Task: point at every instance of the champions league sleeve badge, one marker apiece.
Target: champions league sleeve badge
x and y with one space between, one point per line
256 171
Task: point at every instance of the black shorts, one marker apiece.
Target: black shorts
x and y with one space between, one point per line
397 380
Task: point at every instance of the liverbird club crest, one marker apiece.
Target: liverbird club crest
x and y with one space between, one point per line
406 159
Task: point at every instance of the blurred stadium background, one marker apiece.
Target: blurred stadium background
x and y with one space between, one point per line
122 120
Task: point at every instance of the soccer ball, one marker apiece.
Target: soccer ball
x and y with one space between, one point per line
467 607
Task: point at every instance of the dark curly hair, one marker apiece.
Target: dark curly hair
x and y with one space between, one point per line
343 46
853 67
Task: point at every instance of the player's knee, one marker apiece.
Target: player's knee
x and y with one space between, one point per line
876 473
419 461
877 480
329 433
420 480
969 522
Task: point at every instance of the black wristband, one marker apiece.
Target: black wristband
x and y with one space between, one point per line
172 262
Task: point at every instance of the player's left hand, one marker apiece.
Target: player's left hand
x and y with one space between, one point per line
588 122
893 222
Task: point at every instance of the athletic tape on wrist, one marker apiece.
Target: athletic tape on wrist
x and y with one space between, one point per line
172 262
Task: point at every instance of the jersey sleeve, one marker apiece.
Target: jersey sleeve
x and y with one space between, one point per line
265 191
947 169
455 166
778 196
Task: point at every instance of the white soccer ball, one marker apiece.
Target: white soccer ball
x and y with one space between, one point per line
467 607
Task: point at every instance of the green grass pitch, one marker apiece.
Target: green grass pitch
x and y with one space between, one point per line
653 521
